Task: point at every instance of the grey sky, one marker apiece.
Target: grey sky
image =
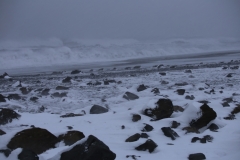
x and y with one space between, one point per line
119 18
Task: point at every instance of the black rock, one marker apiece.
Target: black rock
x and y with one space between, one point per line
229 75
147 128
136 117
164 82
136 67
234 67
96 109
155 90
62 88
67 80
178 108
168 132
188 71
45 92
149 145
175 124
7 115
71 137
197 156
59 95
190 97
213 127
141 87
2 98
2 132
208 114
27 154
181 84
144 135
164 109
230 117
25 90
225 104
228 100
14 96
28 139
180 91
34 99
195 139
162 73
91 149
4 75
204 102
75 72
70 115
130 96
6 152
133 138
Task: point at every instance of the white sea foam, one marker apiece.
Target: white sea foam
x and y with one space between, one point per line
54 51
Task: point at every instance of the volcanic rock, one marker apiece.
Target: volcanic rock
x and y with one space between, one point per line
141 87
96 109
27 154
164 109
36 139
67 80
133 138
168 132
147 128
149 145
71 137
130 96
136 117
197 156
180 91
91 149
7 115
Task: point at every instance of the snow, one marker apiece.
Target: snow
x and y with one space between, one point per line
57 52
107 126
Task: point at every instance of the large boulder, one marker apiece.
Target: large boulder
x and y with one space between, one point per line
141 87
168 132
208 114
2 98
7 115
96 109
130 96
91 149
149 145
36 139
71 137
27 154
133 138
164 109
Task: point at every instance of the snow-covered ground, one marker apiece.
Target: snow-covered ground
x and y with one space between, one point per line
108 126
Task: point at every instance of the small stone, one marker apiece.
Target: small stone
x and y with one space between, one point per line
197 156
133 138
136 117
180 91
149 145
175 124
144 135
147 128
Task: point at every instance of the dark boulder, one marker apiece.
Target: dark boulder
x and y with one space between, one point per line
25 90
136 117
164 109
168 132
190 97
141 87
34 99
229 75
213 127
71 137
62 88
208 114
162 73
6 152
75 72
133 138
91 149
45 92
59 95
14 96
149 145
225 104
36 139
27 154
155 91
2 132
181 84
197 156
147 128
236 110
7 115
2 98
144 135
175 124
96 109
180 91
67 80
130 96
70 115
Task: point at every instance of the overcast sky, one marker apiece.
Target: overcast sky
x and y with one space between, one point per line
139 19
